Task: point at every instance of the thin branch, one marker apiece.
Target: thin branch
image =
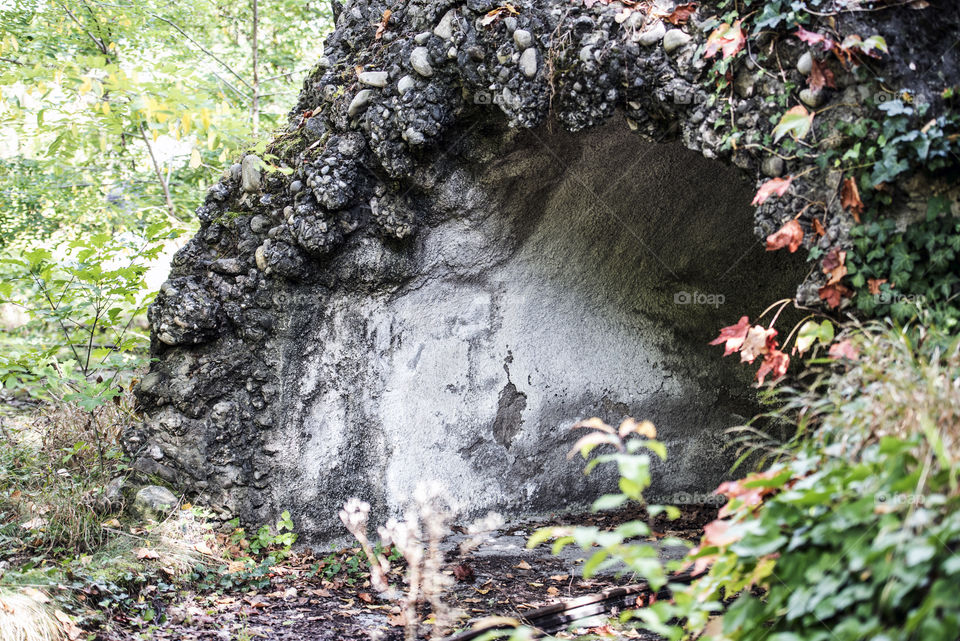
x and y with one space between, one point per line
255 106
284 75
100 45
202 48
156 168
12 61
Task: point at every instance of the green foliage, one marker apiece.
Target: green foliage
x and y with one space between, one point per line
918 263
618 547
276 540
853 533
82 298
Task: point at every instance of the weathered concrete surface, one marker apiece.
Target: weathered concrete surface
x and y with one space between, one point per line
443 281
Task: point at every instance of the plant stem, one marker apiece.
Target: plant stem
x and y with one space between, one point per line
156 169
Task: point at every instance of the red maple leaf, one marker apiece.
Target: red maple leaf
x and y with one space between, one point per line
758 342
789 236
733 336
775 362
812 38
773 187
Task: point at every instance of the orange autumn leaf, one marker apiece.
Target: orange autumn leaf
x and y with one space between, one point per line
850 198
873 284
833 265
789 236
820 76
733 336
834 294
383 24
773 187
726 38
682 13
818 228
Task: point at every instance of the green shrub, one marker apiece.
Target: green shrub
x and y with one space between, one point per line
853 533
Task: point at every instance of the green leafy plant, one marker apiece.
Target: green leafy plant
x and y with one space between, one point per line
621 546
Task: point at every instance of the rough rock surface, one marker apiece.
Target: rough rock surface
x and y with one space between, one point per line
450 275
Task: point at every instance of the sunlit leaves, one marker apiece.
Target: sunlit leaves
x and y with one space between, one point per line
796 122
726 39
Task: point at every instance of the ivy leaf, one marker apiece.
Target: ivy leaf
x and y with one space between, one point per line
773 187
789 236
796 122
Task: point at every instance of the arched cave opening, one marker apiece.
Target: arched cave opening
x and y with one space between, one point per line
556 276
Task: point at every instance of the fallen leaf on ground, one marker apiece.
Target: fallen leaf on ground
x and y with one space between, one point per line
789 236
773 187
523 565
146 553
834 294
820 76
681 13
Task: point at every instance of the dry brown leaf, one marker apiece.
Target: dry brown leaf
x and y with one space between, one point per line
383 24
850 198
146 553
523 565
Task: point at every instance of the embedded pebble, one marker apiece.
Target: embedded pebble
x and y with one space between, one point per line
373 78
413 136
421 38
651 35
420 61
406 84
805 63
444 28
811 98
528 62
772 166
359 102
250 173
674 39
523 38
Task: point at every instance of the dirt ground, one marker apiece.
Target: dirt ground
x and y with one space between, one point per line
501 578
